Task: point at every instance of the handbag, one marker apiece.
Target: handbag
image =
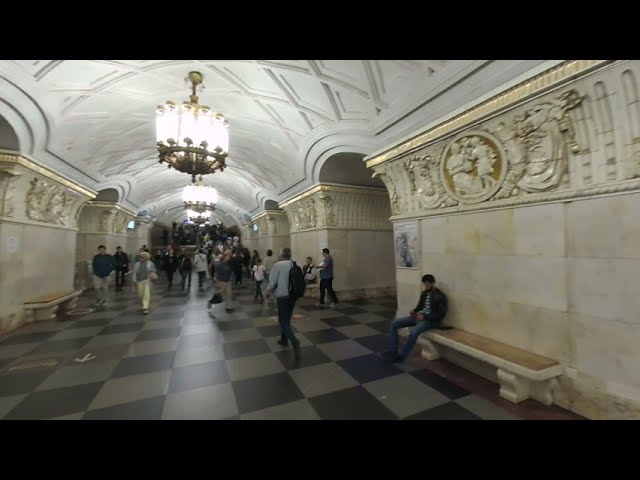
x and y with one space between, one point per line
153 276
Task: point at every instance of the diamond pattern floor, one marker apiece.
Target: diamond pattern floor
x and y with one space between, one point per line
181 362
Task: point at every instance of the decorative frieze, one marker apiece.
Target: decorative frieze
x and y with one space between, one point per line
271 223
104 217
580 140
339 207
30 193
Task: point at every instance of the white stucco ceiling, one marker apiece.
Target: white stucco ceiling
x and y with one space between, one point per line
94 121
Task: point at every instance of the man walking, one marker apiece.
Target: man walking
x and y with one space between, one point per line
103 265
279 285
428 314
326 278
202 266
122 267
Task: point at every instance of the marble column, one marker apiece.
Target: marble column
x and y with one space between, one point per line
272 233
100 223
38 229
353 223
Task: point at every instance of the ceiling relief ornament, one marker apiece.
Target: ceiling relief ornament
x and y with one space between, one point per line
473 167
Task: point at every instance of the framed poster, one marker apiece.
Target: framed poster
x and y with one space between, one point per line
406 242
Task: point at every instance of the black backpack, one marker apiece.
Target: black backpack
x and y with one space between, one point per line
186 263
297 284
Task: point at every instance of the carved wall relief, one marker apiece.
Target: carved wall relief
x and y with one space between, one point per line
340 207
523 152
8 177
330 214
36 208
473 167
120 222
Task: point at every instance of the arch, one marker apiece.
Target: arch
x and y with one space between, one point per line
29 122
348 168
331 140
271 205
8 138
108 195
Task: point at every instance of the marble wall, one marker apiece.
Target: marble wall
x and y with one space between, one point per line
272 233
528 220
38 228
353 223
100 223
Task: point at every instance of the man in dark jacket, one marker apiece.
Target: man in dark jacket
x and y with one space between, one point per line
428 314
103 265
122 267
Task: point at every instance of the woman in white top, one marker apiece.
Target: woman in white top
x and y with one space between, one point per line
258 275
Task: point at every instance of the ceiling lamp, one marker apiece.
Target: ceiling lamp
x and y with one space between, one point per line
199 218
192 138
199 197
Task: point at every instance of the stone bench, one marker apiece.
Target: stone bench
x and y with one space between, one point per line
47 307
311 289
521 374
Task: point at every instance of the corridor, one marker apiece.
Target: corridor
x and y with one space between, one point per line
180 363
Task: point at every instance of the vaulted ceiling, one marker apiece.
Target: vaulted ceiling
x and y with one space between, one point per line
94 120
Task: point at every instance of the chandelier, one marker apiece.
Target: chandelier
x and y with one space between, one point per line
199 197
192 138
199 218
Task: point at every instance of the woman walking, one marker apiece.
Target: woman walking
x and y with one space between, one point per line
143 272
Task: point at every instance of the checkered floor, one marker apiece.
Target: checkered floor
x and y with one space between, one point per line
181 363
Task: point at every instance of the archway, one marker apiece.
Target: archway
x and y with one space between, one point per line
8 138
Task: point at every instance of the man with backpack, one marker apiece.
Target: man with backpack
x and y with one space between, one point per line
287 283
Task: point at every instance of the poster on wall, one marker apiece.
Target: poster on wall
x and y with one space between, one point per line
406 245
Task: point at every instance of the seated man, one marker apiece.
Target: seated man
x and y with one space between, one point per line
428 314
309 271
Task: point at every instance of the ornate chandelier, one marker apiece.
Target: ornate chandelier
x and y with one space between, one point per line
192 138
199 218
199 197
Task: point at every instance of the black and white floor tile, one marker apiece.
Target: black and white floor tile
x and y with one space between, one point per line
180 362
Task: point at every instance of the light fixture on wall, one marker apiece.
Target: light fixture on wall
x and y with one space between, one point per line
199 218
199 197
192 138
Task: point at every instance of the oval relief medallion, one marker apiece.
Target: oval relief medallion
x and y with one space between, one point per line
473 167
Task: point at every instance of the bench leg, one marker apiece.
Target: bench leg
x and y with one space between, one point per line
429 349
43 314
543 391
512 387
66 307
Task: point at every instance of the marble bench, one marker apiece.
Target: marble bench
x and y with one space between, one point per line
45 307
521 374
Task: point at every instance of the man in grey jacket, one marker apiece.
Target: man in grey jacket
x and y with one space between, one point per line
279 285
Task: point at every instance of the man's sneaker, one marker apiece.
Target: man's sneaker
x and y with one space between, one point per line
97 303
333 304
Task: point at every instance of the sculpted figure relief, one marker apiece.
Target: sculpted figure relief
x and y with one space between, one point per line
56 206
473 167
7 189
547 134
35 197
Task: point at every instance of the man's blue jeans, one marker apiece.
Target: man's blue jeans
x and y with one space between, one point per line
285 311
420 328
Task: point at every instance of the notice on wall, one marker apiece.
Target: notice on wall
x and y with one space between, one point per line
12 245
